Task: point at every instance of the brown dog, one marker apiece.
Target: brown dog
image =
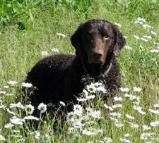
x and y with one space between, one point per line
59 77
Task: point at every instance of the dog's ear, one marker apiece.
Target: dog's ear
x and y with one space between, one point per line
76 39
119 41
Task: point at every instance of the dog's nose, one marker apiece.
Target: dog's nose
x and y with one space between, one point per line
97 55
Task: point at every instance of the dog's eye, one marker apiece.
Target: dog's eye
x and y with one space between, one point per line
105 37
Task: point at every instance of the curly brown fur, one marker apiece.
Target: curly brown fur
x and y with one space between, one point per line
59 77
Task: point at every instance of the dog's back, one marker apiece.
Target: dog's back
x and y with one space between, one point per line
47 78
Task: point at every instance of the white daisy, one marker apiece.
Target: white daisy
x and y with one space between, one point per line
16 121
61 35
122 89
42 107
156 112
2 138
17 105
44 53
12 83
31 118
62 103
78 110
137 89
8 126
154 123
27 85
55 50
29 109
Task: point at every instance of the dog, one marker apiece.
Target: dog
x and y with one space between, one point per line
59 77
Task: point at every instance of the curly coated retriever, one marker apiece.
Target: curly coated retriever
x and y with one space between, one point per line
59 77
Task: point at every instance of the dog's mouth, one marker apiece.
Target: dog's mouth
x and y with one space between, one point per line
96 61
95 69
95 65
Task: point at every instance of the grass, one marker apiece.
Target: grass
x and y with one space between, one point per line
21 49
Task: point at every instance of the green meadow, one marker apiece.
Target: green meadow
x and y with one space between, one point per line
32 29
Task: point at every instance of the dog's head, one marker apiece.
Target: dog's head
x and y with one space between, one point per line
95 40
